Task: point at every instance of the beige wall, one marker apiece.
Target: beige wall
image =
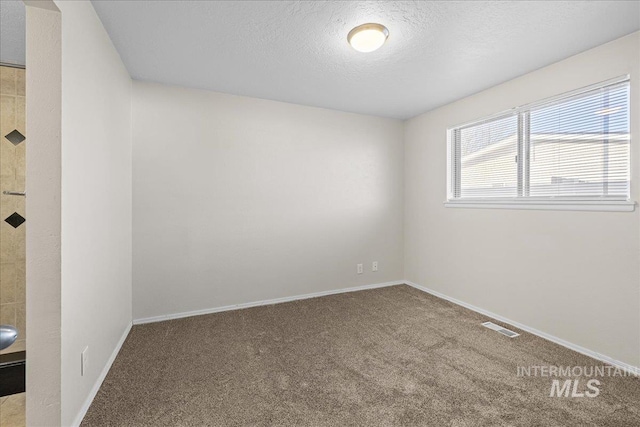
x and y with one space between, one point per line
573 275
44 92
239 199
79 204
12 174
96 202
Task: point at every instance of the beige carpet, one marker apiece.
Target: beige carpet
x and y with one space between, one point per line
383 357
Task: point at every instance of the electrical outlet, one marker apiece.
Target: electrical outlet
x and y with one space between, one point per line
360 269
374 266
84 360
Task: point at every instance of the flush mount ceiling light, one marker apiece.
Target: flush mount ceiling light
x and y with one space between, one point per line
368 37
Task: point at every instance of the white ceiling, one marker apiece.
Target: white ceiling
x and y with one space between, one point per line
296 51
12 32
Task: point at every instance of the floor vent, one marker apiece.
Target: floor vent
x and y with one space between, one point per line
500 329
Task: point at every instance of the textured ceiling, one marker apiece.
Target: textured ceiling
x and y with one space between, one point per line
297 52
12 32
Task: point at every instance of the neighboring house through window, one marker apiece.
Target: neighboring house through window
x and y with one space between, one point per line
569 152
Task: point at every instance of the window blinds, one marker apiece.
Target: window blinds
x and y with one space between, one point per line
574 146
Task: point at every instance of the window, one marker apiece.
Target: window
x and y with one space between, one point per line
569 152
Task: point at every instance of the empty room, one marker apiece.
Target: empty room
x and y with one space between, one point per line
319 213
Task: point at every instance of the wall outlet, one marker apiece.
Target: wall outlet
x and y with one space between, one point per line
84 360
360 269
374 266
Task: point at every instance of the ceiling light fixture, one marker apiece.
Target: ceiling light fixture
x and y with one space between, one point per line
368 37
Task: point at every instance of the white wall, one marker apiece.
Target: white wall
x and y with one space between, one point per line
239 199
96 201
574 275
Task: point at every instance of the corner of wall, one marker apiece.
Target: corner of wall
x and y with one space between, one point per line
43 234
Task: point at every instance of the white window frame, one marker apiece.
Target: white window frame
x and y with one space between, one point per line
602 203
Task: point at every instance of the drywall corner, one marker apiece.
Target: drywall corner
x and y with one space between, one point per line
96 200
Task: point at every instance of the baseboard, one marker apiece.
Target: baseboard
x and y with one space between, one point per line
264 302
103 374
593 354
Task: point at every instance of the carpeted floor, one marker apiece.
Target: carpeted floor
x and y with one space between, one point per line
382 357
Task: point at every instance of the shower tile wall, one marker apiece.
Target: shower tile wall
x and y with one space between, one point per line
12 177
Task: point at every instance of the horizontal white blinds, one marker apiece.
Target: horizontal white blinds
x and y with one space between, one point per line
576 146
580 146
488 159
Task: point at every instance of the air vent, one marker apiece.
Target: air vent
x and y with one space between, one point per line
500 329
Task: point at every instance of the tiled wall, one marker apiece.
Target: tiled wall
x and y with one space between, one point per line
12 208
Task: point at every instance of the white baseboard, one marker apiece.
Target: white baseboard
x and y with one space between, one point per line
595 355
103 374
264 302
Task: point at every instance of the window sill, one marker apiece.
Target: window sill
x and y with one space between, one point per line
549 204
